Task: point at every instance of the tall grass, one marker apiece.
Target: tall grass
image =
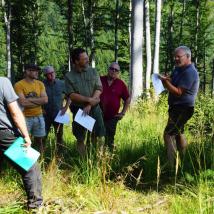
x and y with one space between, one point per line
133 179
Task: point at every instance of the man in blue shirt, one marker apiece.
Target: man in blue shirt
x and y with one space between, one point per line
55 91
183 87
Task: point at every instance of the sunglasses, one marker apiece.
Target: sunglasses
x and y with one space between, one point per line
113 69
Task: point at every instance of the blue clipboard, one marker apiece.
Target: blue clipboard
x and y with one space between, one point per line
22 156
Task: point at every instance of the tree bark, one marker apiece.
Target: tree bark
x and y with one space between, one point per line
197 30
136 50
116 31
70 32
7 20
157 37
148 48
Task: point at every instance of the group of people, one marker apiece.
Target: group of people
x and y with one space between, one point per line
99 97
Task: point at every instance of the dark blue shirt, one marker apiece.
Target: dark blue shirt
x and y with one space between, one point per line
188 79
55 95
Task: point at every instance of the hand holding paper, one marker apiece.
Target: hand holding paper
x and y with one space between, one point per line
84 120
157 83
25 157
62 118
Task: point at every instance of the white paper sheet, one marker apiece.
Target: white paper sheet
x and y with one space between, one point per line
157 84
65 119
84 120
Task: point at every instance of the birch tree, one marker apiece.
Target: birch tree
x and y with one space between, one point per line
148 48
7 20
70 31
116 31
136 50
157 37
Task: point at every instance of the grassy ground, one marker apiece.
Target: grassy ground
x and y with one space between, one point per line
135 179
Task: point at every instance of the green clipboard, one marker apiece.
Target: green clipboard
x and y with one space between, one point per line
22 156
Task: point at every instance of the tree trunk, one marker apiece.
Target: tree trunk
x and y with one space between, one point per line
70 32
157 37
170 35
212 83
7 20
182 20
136 50
85 25
116 32
91 30
148 48
197 30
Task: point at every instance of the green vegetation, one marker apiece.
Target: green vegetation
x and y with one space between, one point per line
136 178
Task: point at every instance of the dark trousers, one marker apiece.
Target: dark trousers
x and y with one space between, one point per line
58 129
110 126
31 179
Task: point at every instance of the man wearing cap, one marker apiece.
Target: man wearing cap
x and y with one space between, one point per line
55 89
114 89
84 87
32 96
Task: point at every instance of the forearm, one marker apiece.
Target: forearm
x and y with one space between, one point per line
172 89
18 119
26 102
68 102
126 105
78 98
96 96
33 102
38 100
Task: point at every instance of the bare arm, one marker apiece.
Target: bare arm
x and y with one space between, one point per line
78 98
94 101
33 101
67 104
177 91
125 107
19 121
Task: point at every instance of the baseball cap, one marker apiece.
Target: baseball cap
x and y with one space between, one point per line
33 67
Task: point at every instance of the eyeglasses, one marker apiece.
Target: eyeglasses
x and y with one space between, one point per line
33 70
51 73
113 69
179 57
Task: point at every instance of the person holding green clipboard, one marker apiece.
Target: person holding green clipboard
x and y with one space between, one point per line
12 126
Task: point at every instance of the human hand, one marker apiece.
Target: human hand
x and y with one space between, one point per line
86 109
164 78
120 115
27 142
94 101
63 110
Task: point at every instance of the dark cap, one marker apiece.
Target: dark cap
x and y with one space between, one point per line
33 67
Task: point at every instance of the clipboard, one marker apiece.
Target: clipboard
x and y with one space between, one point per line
25 157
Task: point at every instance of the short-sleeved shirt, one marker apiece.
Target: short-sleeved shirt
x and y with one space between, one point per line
85 82
30 89
7 96
111 97
188 79
55 93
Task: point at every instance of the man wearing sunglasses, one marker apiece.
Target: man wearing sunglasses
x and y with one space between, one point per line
114 89
183 87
